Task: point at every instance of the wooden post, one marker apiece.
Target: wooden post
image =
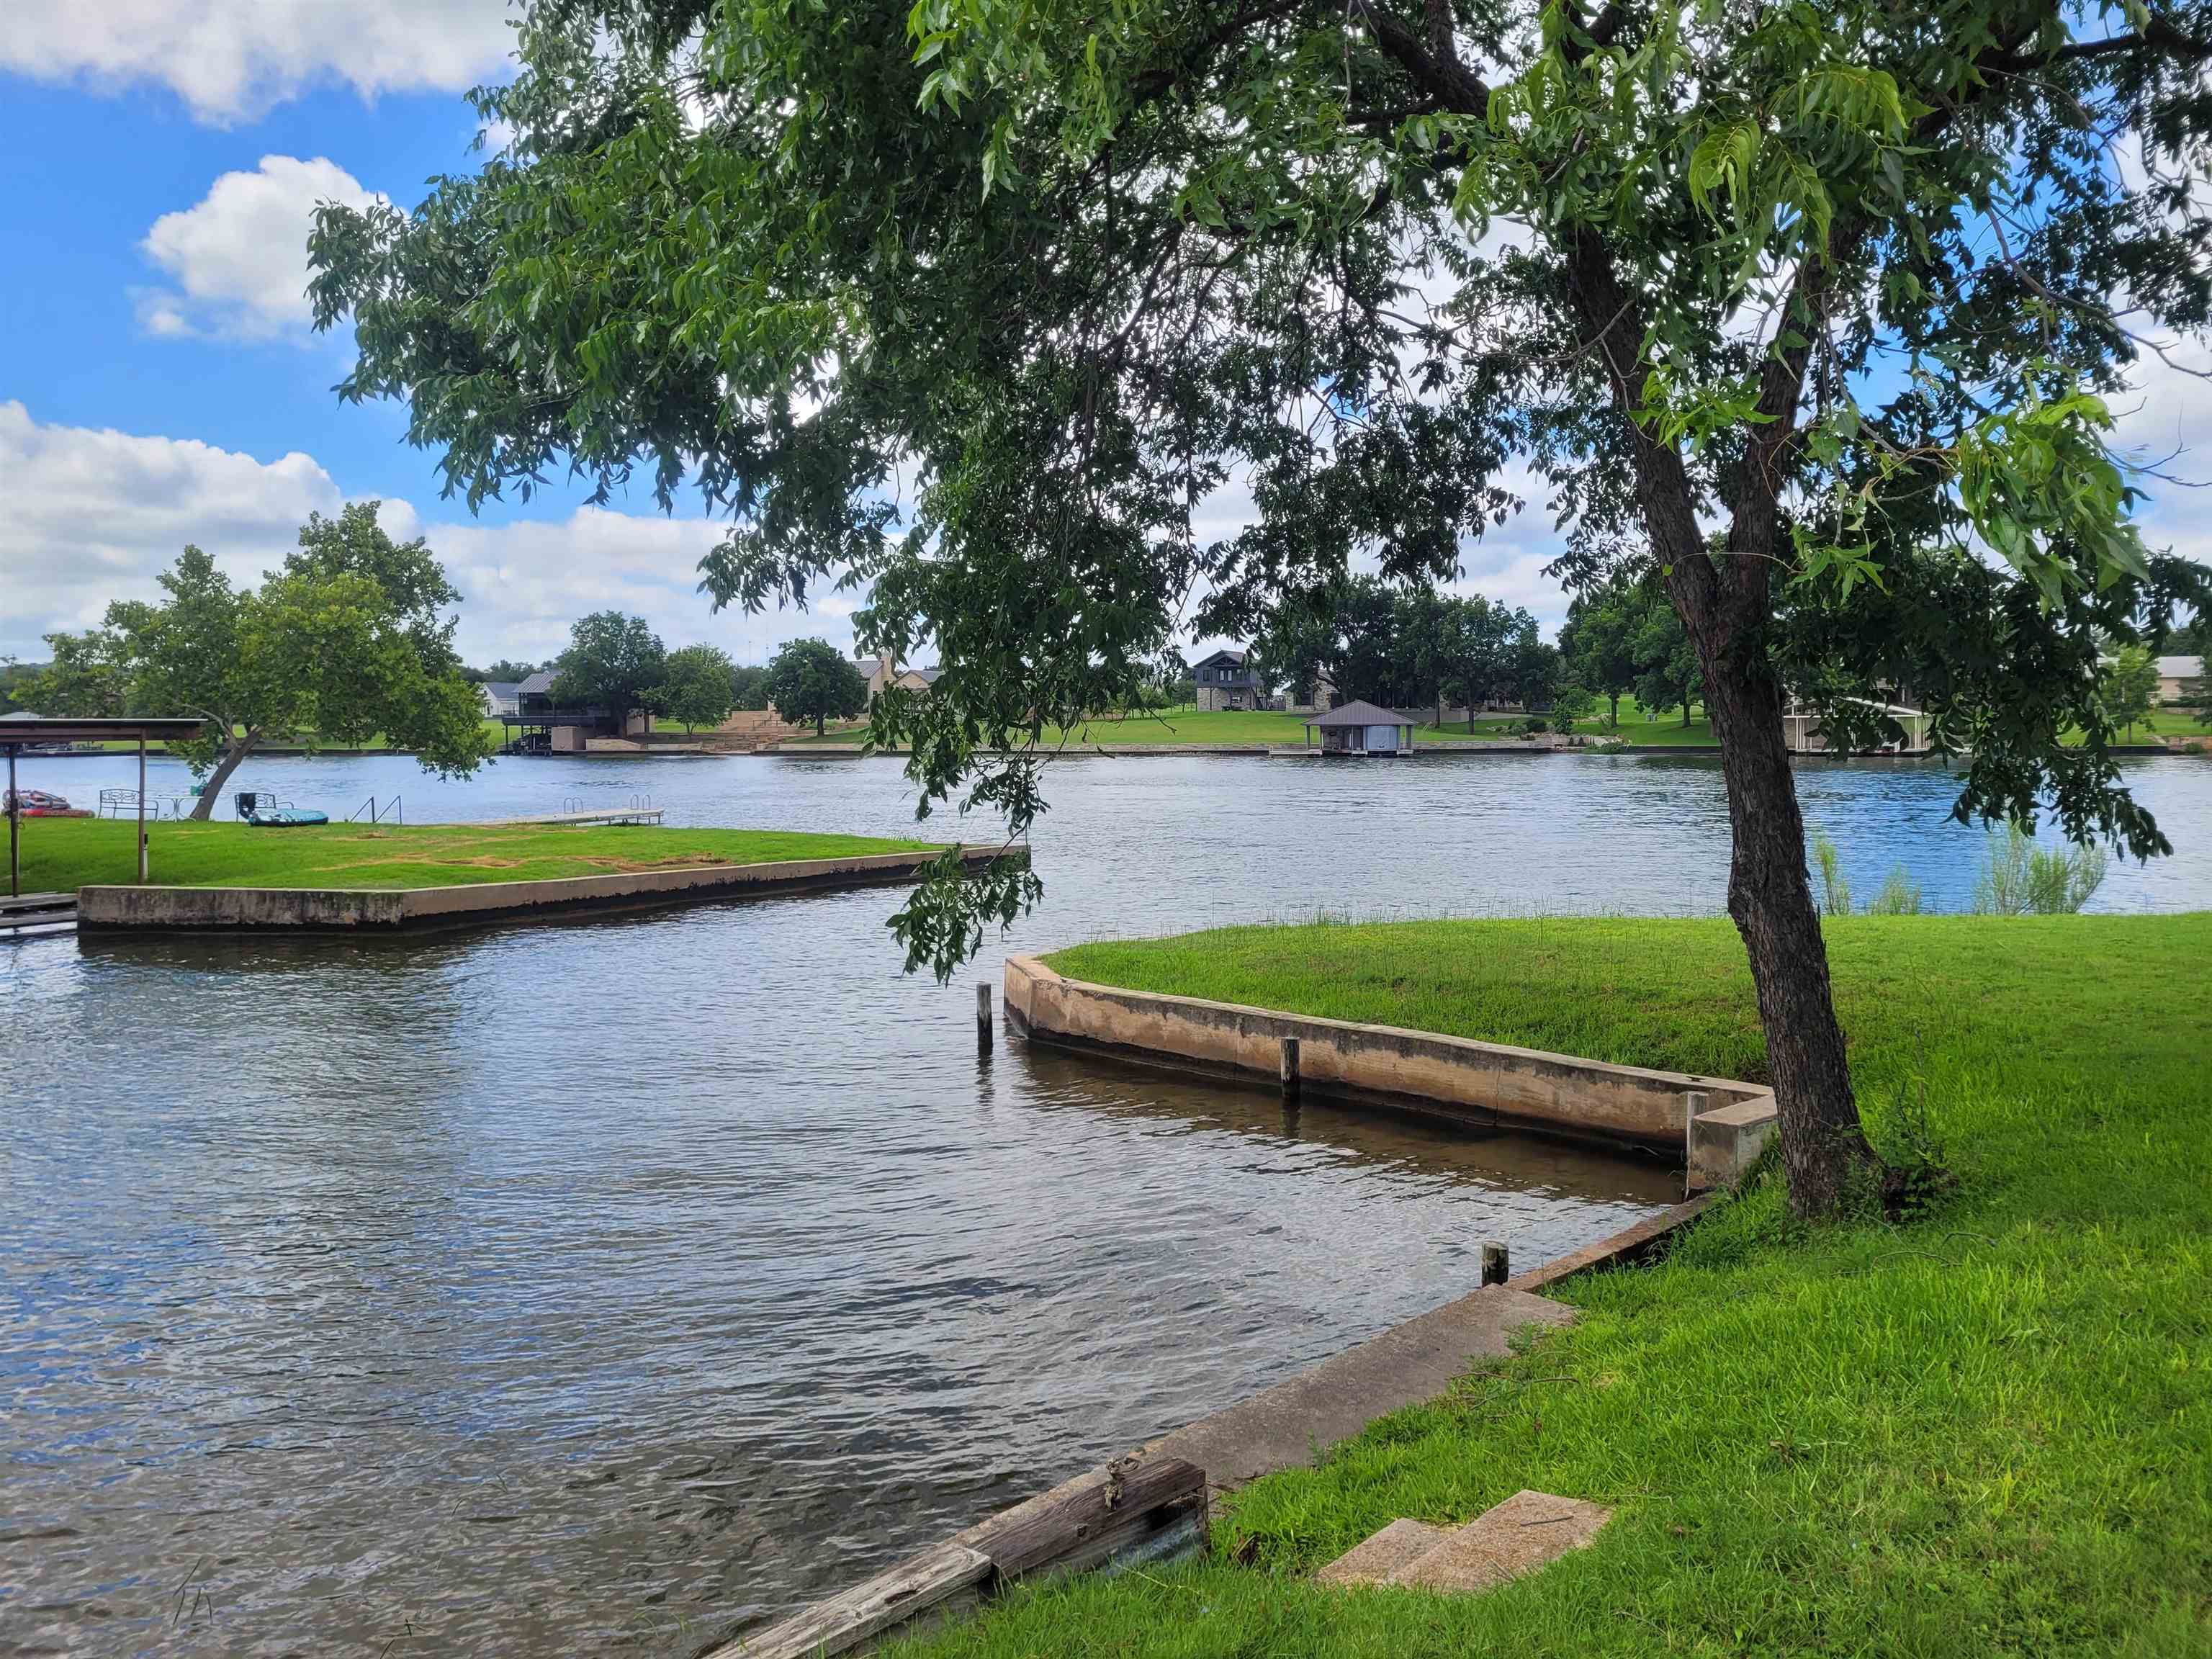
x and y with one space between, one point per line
141 809
15 831
1290 1067
983 1017
1495 1264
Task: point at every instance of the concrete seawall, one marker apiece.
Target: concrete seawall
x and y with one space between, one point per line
165 909
1483 1084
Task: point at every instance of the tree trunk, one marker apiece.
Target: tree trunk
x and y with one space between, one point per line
1614 721
821 722
1770 900
1686 712
233 756
1725 604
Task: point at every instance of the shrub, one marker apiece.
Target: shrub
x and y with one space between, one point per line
2020 878
1835 890
1899 895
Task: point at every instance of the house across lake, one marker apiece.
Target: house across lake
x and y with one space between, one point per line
1225 680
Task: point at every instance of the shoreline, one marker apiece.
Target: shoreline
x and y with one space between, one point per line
111 910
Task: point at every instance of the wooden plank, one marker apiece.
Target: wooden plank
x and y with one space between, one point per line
843 1622
1092 1519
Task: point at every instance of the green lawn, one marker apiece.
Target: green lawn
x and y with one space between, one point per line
1985 1431
1226 727
62 855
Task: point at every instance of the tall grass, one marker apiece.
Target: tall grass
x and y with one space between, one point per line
2020 878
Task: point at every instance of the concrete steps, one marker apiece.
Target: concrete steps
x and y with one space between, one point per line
1528 1531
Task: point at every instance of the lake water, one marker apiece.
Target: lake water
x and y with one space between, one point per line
604 1285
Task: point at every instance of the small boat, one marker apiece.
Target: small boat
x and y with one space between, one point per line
39 804
262 810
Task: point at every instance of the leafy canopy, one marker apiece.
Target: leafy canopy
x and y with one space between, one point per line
613 662
697 686
1853 280
811 680
350 638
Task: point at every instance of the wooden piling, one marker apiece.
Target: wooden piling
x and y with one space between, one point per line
1496 1266
1290 1067
982 1015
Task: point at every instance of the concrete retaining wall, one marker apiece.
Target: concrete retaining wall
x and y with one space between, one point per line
1484 1083
253 909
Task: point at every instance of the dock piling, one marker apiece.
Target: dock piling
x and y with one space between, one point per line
982 1015
1495 1264
1289 1067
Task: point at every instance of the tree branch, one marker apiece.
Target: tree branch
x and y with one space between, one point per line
2157 35
1447 80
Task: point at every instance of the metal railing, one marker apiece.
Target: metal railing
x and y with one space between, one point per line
387 813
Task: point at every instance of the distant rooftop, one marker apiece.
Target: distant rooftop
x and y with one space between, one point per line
1361 714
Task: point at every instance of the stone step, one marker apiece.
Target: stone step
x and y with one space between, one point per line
1529 1530
1398 1545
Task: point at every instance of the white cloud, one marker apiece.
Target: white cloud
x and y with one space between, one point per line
96 515
238 258
523 583
2167 425
229 60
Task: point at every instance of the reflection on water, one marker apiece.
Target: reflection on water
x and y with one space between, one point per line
543 1290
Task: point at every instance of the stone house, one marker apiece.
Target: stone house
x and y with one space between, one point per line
883 671
1225 680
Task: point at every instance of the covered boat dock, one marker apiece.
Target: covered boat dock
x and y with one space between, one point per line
1362 728
39 733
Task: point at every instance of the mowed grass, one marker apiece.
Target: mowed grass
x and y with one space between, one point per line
1223 727
1984 1430
62 855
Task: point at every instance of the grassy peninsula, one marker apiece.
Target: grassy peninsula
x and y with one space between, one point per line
62 855
1985 1429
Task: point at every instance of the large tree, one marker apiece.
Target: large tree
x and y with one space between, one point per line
613 662
1669 671
350 638
811 680
698 686
1835 279
1599 641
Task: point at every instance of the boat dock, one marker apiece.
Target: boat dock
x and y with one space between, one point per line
613 815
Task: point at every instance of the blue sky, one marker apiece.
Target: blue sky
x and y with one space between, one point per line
159 382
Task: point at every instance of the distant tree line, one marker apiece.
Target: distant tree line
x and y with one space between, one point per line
1407 647
618 663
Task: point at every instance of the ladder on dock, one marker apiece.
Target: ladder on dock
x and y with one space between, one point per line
34 915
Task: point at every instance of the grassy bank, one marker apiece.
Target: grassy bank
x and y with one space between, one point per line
1985 1429
62 855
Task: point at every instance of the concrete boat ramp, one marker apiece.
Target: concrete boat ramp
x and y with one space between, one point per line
35 915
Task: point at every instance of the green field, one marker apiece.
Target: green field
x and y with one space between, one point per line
1228 728
1247 728
62 855
1985 1429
